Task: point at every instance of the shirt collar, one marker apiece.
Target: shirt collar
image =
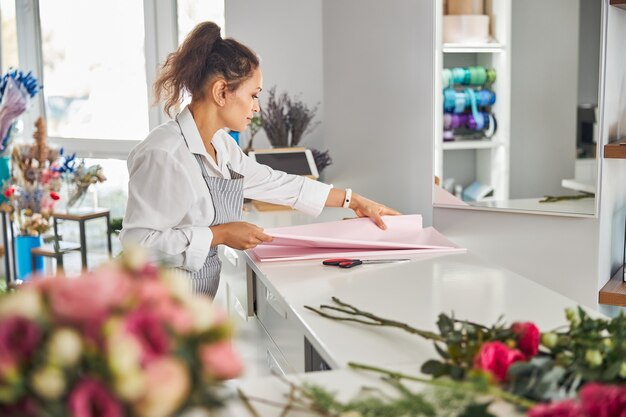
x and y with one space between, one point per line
190 132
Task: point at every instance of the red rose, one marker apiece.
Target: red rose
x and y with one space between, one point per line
496 358
9 192
18 339
90 398
567 408
55 196
528 336
598 400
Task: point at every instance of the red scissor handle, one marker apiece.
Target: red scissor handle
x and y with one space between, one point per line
336 261
342 262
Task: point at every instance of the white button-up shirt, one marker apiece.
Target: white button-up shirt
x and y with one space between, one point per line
169 207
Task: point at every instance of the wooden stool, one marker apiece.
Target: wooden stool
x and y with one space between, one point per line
48 251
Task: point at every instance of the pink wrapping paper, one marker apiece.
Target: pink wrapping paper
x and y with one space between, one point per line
354 238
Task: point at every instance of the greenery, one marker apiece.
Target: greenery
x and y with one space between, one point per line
517 358
453 399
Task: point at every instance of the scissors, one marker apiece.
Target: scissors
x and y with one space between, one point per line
349 263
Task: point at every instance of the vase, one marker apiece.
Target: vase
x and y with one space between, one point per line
5 174
23 246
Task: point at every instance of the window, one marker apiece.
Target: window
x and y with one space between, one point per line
94 68
8 38
192 12
97 61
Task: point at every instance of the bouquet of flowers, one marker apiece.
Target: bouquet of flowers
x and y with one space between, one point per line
78 180
575 371
34 187
129 339
16 90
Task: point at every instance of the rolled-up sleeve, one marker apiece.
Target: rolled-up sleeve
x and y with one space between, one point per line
265 184
160 193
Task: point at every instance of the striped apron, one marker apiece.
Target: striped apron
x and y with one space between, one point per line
227 197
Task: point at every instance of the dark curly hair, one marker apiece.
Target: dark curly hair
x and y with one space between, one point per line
203 55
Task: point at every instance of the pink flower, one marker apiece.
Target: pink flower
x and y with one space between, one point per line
220 361
90 398
146 327
176 316
19 337
567 408
598 400
167 387
528 336
88 298
496 358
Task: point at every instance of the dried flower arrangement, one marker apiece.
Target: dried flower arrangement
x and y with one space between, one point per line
286 121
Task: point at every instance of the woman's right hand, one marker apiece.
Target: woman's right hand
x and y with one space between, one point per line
238 235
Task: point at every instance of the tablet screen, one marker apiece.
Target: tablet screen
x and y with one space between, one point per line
290 162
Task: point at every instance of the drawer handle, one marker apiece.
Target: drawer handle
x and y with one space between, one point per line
274 303
231 255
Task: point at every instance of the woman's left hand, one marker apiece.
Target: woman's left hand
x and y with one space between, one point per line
364 207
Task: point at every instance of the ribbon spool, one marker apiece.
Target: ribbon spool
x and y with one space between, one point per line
468 76
456 101
467 120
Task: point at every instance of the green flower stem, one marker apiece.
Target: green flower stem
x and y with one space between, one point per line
373 319
492 390
247 402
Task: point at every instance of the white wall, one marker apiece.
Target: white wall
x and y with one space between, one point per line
287 35
370 65
544 94
379 94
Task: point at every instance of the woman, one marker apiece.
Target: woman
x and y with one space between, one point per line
188 178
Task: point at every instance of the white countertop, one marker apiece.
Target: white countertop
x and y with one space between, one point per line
415 292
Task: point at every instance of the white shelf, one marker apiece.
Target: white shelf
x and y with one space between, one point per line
470 144
466 48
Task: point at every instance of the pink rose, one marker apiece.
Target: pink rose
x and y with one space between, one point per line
90 398
88 298
496 358
146 327
220 361
19 337
567 408
176 316
167 387
528 336
599 400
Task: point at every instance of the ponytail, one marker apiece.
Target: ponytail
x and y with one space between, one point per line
203 55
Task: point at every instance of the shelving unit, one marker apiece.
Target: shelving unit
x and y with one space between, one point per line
484 160
614 291
615 150
619 3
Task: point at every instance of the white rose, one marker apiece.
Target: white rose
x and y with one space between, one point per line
179 284
131 385
49 382
65 347
26 302
134 257
124 354
203 313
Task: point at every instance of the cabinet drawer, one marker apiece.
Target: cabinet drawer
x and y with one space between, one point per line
238 277
281 326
